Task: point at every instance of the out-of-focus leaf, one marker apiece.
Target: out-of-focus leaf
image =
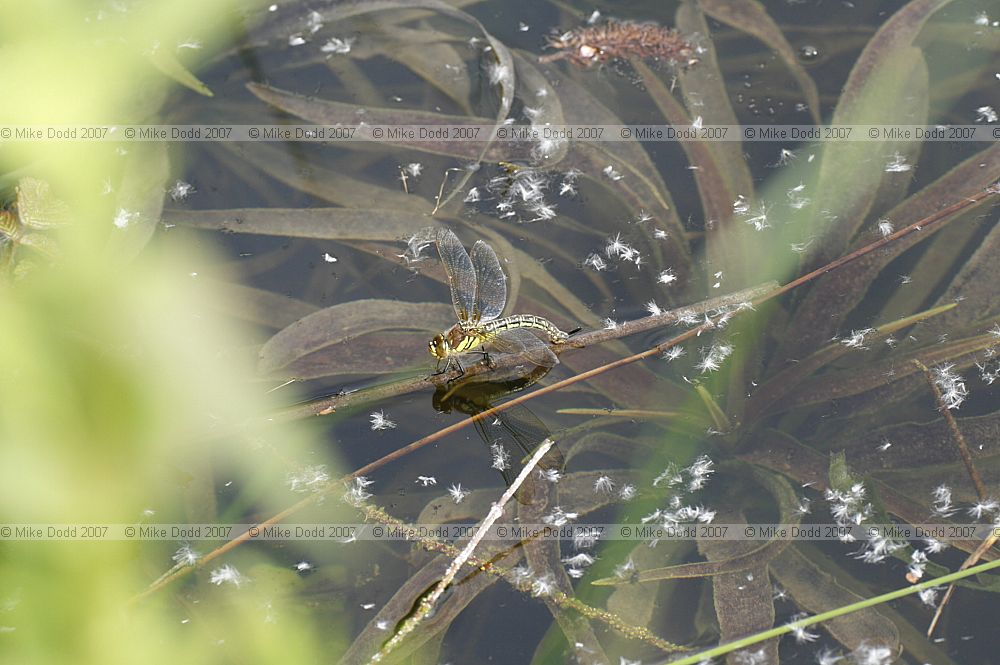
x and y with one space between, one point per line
816 591
38 207
165 61
140 200
751 17
346 324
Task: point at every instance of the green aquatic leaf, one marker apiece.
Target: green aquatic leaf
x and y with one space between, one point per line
744 603
327 184
786 455
405 600
642 187
544 558
785 498
887 85
502 74
341 224
166 61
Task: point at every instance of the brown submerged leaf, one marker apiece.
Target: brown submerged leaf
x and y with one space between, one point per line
347 324
815 591
751 17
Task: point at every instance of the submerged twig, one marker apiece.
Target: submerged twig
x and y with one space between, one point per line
963 447
977 481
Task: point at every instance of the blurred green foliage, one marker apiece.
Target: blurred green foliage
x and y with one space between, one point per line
117 375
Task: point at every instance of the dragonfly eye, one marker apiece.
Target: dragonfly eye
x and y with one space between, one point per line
438 347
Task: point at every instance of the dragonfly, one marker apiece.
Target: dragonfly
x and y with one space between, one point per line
479 295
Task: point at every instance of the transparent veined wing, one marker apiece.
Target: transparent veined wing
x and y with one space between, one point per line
461 273
37 207
523 342
491 283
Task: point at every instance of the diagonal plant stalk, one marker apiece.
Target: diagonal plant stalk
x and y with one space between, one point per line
963 447
705 656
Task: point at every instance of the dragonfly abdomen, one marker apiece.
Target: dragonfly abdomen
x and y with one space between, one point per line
555 335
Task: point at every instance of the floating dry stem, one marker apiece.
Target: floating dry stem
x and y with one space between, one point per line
620 40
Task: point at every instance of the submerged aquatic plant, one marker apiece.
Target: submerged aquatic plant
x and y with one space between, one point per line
764 381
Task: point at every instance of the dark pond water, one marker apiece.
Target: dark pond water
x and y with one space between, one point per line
741 427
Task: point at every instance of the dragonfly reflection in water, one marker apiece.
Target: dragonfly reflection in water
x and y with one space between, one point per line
479 295
512 434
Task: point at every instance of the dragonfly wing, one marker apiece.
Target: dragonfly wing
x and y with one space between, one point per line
491 283
522 342
37 207
461 273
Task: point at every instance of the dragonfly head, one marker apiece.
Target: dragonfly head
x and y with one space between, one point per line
439 347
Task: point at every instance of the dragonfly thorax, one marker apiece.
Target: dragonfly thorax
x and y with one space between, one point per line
453 341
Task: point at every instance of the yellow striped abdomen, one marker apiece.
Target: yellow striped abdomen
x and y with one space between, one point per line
555 335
